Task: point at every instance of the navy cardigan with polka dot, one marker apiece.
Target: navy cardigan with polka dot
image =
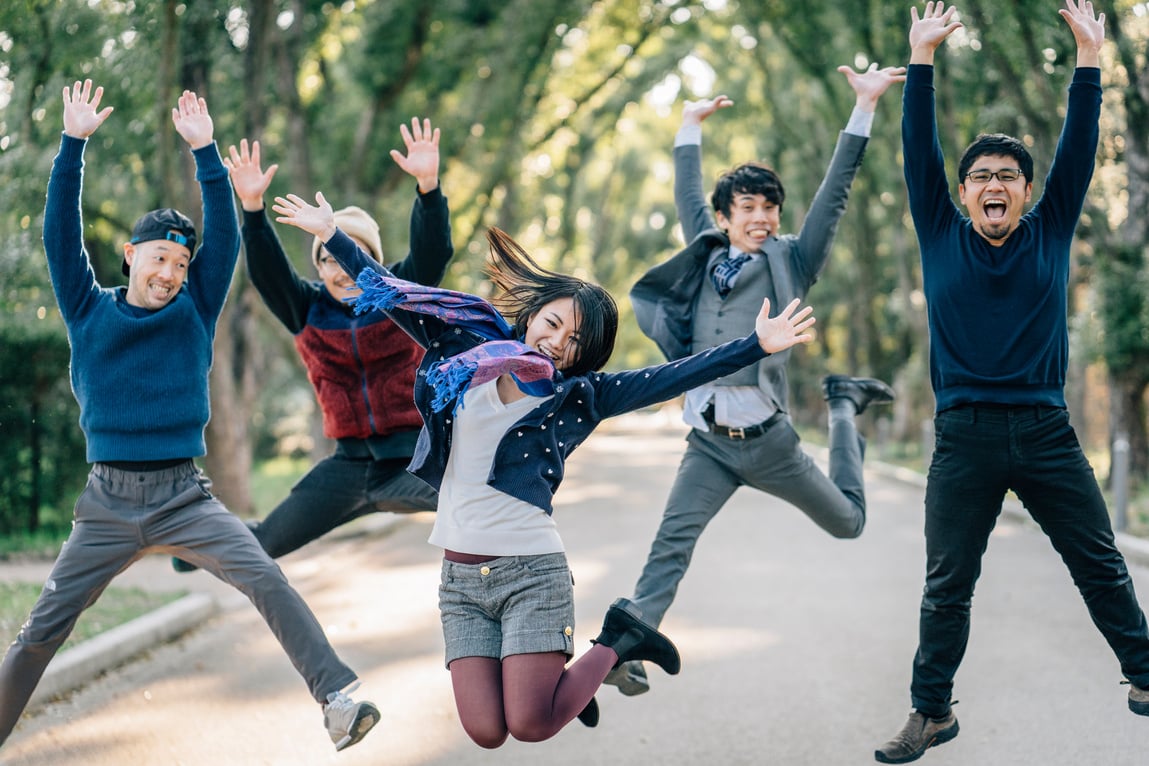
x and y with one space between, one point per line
528 463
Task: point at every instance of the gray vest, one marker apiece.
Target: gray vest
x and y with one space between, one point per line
717 321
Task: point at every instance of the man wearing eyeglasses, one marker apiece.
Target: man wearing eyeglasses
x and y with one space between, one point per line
996 291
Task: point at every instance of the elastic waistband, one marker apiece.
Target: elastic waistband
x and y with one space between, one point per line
113 473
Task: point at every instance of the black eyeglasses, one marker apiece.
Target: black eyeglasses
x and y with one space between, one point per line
1005 175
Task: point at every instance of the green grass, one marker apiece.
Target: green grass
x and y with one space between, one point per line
273 479
115 607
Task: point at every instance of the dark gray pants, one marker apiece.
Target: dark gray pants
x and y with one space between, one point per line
714 466
121 516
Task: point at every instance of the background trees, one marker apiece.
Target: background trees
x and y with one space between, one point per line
557 119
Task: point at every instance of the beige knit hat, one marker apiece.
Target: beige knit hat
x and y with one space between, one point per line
358 223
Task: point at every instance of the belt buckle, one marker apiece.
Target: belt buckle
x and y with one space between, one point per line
736 433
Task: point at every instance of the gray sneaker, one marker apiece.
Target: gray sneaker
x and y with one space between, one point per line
918 735
630 678
1138 699
348 721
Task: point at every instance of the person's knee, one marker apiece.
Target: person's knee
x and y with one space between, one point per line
486 734
531 727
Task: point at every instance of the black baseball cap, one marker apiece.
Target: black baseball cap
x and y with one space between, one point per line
165 223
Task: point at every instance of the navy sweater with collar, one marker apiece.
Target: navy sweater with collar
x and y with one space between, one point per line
997 315
140 376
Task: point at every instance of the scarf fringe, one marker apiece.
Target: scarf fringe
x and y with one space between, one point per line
450 381
377 293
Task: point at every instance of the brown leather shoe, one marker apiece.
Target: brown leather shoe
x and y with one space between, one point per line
1138 699
860 391
918 735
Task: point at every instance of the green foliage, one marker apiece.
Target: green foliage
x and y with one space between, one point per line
557 120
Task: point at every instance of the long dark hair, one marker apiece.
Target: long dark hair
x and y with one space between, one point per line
527 287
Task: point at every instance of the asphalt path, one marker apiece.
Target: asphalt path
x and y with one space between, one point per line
796 647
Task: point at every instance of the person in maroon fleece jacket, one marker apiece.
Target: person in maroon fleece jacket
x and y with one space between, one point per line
362 367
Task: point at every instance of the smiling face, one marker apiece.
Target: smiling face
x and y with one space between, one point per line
338 282
994 206
554 332
753 219
157 270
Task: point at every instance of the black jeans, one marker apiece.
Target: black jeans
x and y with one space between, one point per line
337 490
981 452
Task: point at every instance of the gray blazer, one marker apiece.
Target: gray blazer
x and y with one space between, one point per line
664 297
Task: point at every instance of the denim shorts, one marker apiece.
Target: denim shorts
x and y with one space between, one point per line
508 605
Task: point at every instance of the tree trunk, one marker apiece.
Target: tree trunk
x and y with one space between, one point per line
1127 418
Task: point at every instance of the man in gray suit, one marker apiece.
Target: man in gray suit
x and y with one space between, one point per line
708 294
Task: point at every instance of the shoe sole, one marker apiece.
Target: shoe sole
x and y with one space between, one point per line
628 685
364 722
942 737
1140 708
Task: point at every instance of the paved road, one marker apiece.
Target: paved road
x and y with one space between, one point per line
796 649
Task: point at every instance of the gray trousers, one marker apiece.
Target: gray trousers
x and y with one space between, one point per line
714 466
121 516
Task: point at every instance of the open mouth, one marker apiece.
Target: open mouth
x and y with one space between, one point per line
994 210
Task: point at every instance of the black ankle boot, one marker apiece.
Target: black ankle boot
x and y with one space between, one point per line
632 639
589 714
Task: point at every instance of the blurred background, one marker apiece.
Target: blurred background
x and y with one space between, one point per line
557 119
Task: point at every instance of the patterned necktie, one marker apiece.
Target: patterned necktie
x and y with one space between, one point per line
726 272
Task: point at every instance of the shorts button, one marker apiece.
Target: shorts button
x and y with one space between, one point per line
568 631
485 571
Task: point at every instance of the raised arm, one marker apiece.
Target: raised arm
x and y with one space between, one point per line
1073 161
422 158
319 220
927 32
868 86
82 113
285 293
193 121
820 226
73 279
248 177
694 212
431 248
210 278
634 389
923 163
1088 31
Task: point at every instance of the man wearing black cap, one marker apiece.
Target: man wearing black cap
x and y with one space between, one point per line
140 362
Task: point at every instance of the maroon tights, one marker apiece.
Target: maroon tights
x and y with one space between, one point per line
529 696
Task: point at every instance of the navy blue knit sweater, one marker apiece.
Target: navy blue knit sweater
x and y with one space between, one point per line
997 315
140 376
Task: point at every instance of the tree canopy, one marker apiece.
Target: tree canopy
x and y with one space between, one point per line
558 118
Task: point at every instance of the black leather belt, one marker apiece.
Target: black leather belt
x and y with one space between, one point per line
746 432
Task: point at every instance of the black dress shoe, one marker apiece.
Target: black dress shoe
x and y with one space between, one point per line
860 391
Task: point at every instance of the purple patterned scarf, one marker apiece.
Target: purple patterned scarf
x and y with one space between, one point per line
531 370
